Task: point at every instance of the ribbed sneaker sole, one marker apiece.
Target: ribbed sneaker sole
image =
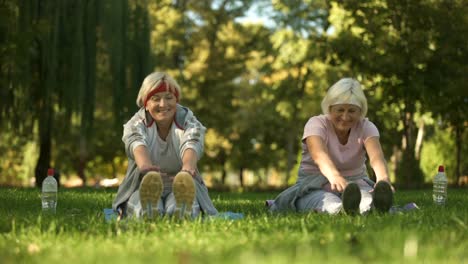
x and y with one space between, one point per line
351 199
183 188
383 197
151 188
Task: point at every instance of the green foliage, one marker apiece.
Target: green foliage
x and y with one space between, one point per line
431 234
440 149
400 48
70 73
18 161
408 172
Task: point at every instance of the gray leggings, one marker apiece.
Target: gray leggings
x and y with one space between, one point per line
166 205
330 202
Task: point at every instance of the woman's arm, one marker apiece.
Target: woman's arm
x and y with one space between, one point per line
135 135
192 142
142 158
143 161
193 137
135 140
189 161
319 153
376 159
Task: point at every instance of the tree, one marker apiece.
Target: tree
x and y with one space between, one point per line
298 71
446 71
390 44
56 54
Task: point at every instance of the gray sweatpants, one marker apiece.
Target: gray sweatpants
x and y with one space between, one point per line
330 202
166 205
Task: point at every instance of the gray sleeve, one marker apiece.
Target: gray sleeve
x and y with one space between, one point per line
134 134
193 136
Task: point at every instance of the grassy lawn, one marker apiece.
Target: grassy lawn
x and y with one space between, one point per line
79 234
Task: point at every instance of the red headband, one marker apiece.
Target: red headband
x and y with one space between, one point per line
162 87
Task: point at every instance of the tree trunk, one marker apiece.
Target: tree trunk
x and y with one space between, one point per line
292 137
222 160
409 172
82 160
114 170
291 157
223 176
46 66
88 81
419 140
179 54
241 176
141 54
117 31
458 145
43 162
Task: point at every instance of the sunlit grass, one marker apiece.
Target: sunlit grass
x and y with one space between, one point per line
79 234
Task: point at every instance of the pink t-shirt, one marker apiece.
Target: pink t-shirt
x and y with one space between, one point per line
350 158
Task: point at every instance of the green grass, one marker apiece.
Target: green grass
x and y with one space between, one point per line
79 234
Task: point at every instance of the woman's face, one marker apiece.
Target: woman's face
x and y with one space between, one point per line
162 107
344 116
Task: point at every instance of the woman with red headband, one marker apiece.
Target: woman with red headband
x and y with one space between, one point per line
333 175
163 142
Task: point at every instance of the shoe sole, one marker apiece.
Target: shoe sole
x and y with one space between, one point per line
183 188
151 188
383 197
351 199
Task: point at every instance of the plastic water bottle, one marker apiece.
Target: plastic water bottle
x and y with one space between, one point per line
49 193
440 187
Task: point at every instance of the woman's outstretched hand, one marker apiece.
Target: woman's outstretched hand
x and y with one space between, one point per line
189 170
337 184
147 168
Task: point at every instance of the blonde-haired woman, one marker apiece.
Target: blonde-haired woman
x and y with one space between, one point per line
163 142
332 174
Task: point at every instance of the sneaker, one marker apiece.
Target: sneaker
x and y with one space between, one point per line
383 197
183 188
151 188
351 199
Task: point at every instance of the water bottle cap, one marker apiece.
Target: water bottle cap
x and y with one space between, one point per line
50 172
441 168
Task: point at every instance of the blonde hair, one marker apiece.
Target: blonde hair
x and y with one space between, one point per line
345 91
152 81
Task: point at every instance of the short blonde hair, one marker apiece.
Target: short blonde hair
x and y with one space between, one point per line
345 91
153 81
